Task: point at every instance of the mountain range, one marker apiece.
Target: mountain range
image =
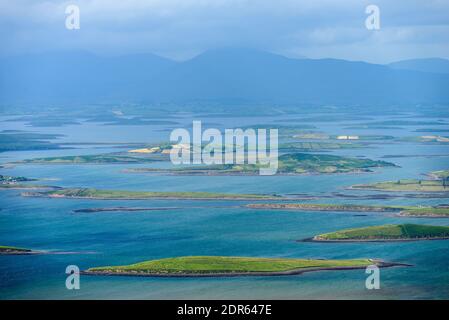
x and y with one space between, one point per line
220 75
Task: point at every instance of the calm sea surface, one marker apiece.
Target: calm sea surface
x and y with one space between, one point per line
209 227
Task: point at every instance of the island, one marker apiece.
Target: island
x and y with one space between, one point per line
16 140
295 163
315 146
325 136
389 232
87 193
427 139
441 211
219 266
9 182
10 179
104 158
8 250
122 209
324 207
439 175
406 185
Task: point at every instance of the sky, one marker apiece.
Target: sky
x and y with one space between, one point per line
181 29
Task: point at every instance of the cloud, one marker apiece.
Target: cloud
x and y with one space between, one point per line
182 28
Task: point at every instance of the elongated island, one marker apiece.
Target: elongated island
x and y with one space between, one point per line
440 211
288 164
389 232
88 193
438 183
219 266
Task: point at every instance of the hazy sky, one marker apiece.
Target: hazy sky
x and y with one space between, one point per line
183 28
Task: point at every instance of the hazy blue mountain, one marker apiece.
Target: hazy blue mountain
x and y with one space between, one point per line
218 75
438 65
77 75
254 75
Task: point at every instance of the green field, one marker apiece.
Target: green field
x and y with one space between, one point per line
217 264
388 232
406 185
87 193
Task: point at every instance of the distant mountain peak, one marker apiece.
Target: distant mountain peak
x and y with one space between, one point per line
436 65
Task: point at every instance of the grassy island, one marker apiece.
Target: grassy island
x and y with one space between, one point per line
105 158
412 211
389 232
9 179
323 207
430 212
406 185
230 266
440 174
295 163
318 146
23 140
86 193
8 182
24 186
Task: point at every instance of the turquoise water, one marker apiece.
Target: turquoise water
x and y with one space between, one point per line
210 228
